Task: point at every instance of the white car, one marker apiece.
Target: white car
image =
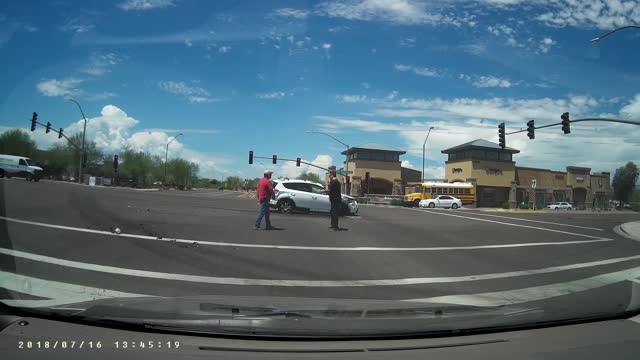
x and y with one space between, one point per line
560 205
19 166
441 201
291 195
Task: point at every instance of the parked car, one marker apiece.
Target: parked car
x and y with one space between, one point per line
441 201
627 206
560 205
19 166
292 195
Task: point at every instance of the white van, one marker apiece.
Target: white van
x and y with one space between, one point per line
11 165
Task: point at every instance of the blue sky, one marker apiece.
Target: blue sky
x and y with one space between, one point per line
236 76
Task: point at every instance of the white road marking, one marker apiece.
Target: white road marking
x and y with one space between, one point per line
294 247
537 221
302 283
506 223
518 296
57 293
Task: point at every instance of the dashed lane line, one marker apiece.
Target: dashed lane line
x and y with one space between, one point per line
55 292
523 295
537 221
506 223
303 283
310 248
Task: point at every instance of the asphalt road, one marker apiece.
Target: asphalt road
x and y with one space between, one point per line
58 245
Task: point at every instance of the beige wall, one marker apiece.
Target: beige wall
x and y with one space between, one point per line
572 181
596 180
477 169
465 165
389 170
545 179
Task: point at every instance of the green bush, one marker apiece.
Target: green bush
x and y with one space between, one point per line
635 200
505 205
396 202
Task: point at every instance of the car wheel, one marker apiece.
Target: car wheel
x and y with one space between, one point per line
29 177
416 203
286 206
1 173
454 206
36 178
432 205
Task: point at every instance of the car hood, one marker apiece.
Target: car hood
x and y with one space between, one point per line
348 197
35 167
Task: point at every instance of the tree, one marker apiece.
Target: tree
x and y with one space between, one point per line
182 173
309 176
17 142
234 183
624 181
137 166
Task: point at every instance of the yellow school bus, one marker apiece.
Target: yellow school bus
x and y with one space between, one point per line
428 190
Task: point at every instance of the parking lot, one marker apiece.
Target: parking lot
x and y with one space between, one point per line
62 237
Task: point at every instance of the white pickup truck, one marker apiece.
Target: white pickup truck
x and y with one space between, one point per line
19 166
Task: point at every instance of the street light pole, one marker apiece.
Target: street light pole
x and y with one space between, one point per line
346 167
166 158
84 132
424 144
595 40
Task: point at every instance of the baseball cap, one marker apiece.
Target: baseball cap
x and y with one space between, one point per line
268 172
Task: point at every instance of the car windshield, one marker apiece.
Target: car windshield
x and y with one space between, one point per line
475 157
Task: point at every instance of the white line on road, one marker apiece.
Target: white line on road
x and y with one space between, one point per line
506 223
57 293
295 247
537 221
302 283
518 296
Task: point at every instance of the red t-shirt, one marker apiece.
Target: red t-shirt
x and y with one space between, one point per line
265 189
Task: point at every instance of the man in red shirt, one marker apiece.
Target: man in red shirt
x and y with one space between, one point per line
265 191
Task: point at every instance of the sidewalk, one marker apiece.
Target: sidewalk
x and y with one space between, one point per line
631 230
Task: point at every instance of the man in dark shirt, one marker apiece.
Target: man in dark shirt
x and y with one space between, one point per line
333 189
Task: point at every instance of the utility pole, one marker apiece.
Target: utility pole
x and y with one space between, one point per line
423 148
82 151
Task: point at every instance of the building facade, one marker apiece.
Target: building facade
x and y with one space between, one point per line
500 183
376 169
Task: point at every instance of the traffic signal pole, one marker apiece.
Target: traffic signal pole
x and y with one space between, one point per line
292 160
581 120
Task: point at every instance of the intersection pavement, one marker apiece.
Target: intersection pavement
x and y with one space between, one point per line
58 245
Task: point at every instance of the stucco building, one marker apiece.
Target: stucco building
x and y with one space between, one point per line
499 182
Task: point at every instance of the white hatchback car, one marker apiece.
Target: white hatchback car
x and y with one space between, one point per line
291 195
441 201
560 205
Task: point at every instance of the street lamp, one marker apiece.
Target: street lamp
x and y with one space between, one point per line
346 188
423 147
596 40
82 155
166 158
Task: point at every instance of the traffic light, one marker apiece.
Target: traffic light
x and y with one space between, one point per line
115 162
501 136
566 123
275 159
250 157
48 127
531 130
60 133
34 121
297 161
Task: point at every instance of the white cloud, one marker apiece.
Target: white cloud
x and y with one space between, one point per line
276 95
408 42
101 63
589 14
77 25
422 71
290 170
401 12
337 29
299 14
224 49
546 44
53 87
407 164
490 82
193 94
201 100
501 29
326 46
140 5
631 111
188 43
184 131
352 98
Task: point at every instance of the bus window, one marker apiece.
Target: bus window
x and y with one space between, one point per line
455 191
433 190
467 191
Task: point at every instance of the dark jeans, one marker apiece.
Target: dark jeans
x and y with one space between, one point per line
264 211
335 212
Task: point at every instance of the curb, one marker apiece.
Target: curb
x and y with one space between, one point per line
620 230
